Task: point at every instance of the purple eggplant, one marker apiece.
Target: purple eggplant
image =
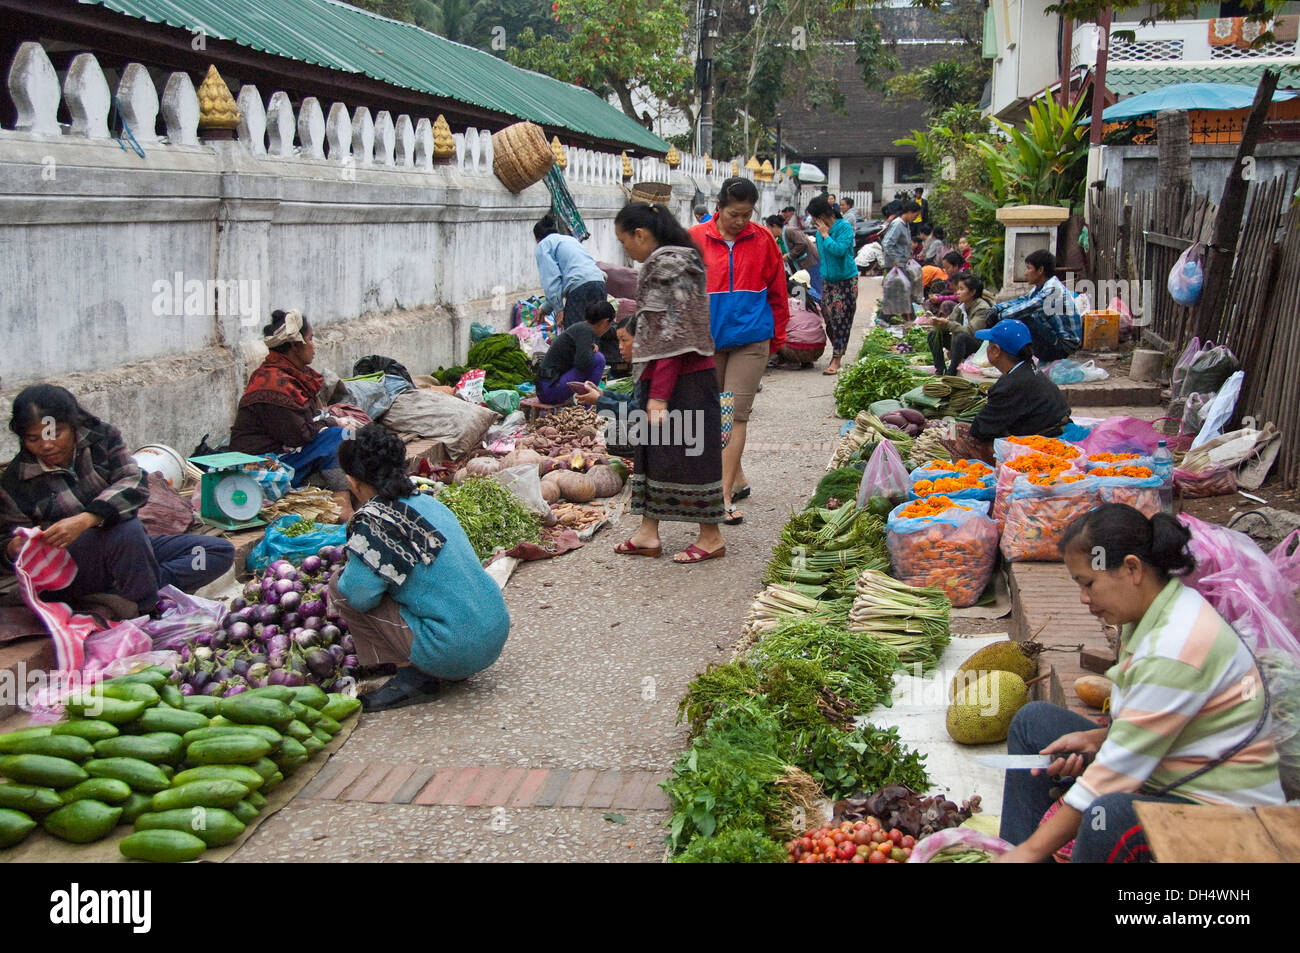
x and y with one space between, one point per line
312 607
187 689
311 565
240 632
269 632
348 643
240 666
214 688
351 661
284 585
223 674
236 690
203 638
306 638
336 652
253 591
278 643
291 602
219 640
237 603
313 622
331 633
258 670
320 662
290 621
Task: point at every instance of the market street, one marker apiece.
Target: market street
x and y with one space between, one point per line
601 649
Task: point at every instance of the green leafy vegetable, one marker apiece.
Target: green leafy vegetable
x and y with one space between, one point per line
868 380
493 518
866 759
841 483
739 845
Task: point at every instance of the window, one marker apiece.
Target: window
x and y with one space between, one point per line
909 169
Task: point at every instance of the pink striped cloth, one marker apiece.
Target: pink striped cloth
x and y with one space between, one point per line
41 567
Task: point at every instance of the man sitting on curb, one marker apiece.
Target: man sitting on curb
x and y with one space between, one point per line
1023 402
1048 311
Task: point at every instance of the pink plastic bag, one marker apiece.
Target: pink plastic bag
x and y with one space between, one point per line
1122 435
121 641
184 617
1245 586
1288 565
884 476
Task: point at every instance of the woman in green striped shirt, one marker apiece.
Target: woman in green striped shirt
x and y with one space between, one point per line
1189 714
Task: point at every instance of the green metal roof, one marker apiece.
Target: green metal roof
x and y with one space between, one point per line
1132 80
341 37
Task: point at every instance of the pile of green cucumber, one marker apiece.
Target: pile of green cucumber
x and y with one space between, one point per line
189 772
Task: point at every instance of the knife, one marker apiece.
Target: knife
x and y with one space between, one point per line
1015 762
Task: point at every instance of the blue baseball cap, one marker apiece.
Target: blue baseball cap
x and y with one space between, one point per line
1009 334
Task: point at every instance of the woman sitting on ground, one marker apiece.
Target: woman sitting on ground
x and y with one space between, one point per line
283 412
957 332
677 472
74 484
413 593
575 356
1183 728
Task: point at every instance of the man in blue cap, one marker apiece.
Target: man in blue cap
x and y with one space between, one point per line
1022 403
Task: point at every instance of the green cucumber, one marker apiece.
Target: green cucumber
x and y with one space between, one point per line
171 696
172 719
155 675
231 749
129 692
313 745
290 756
218 792
223 772
42 770
311 696
134 806
281 693
217 731
329 724
9 741
340 706
143 777
245 811
321 735
214 826
14 827
297 730
273 782
56 746
90 729
136 746
28 799
203 704
108 790
113 710
175 746
257 799
308 716
248 709
162 846
82 822
265 767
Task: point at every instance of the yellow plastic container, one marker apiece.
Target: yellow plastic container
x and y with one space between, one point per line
1100 330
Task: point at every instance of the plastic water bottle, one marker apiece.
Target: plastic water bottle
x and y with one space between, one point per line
1163 462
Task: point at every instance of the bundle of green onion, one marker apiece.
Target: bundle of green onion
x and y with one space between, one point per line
913 621
777 604
865 666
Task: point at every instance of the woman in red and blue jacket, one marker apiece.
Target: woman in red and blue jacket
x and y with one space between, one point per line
749 309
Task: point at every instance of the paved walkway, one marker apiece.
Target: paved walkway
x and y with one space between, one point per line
577 719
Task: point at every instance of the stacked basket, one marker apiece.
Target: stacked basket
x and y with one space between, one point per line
521 155
652 192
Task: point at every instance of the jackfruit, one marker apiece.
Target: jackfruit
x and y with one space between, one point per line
982 711
1019 658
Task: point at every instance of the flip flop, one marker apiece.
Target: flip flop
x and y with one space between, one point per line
695 554
829 373
626 548
732 519
741 494
409 686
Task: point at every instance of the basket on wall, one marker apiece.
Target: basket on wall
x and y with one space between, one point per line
521 155
652 192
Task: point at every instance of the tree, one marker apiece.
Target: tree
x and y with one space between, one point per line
458 20
614 46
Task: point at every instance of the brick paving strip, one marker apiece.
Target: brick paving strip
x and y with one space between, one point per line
491 786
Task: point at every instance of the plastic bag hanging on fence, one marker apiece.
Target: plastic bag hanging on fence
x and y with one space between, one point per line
1187 277
885 476
1210 370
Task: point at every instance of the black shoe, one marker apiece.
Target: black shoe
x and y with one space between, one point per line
409 686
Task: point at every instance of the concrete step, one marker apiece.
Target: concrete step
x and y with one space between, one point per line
1114 392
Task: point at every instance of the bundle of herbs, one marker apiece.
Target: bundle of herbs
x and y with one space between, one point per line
868 380
861 669
492 517
800 693
911 621
867 758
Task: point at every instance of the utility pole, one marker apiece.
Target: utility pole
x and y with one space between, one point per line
704 72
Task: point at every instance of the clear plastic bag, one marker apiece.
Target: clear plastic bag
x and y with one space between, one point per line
1220 409
954 551
927 847
1187 277
526 485
183 617
1038 516
884 476
1065 372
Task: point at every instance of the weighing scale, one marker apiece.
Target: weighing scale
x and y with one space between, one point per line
229 496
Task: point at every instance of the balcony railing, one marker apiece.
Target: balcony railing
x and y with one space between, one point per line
1186 40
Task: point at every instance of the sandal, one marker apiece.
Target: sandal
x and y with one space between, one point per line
626 548
740 494
408 687
694 554
830 373
731 518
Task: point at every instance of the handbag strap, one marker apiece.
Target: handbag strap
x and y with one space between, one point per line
1240 745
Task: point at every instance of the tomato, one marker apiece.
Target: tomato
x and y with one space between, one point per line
828 845
838 837
908 841
876 858
896 836
898 855
808 859
863 850
847 850
878 837
862 836
806 843
858 859
847 827
859 825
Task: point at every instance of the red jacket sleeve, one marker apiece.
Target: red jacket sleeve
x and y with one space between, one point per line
663 377
778 297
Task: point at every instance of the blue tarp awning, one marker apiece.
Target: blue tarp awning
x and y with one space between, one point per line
1186 96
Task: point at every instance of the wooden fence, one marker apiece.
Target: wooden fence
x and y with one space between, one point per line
1136 239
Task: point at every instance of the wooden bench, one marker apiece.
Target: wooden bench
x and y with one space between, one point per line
1210 834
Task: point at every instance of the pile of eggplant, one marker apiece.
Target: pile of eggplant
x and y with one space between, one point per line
909 421
281 631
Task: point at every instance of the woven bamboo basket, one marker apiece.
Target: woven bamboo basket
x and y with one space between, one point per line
652 192
521 155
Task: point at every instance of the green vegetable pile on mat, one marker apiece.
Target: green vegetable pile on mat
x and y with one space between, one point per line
501 356
492 517
918 337
739 845
841 484
877 341
868 380
828 549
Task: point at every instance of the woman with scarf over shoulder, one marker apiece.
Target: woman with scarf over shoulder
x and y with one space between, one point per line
413 592
678 463
73 486
282 411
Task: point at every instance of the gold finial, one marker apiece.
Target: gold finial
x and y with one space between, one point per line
217 109
557 150
627 167
708 163
752 164
444 146
735 168
673 158
766 172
